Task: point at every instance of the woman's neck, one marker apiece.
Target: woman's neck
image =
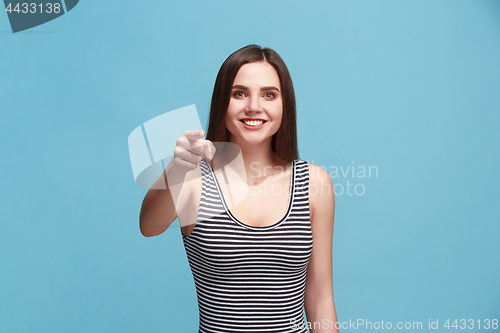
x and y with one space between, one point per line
259 159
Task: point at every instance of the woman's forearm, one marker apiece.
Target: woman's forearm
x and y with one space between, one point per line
158 207
322 317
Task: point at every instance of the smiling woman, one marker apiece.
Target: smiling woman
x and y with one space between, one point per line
254 263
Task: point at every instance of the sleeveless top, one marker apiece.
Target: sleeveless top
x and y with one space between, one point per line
250 279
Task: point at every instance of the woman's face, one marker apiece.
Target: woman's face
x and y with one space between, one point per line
255 106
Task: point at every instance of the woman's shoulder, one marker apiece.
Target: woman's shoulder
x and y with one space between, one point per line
321 191
319 180
316 173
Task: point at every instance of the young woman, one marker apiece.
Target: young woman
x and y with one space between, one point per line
254 261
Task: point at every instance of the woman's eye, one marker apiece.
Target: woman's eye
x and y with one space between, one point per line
239 94
269 95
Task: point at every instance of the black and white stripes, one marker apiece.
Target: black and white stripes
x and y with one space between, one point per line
250 279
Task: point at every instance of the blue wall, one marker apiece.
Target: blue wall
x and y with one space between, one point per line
408 87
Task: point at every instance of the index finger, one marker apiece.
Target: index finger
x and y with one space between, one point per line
194 135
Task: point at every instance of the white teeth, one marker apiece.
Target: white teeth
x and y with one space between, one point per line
253 122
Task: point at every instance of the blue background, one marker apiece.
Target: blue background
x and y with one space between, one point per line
411 87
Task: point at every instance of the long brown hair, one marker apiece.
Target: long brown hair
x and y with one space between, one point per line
284 141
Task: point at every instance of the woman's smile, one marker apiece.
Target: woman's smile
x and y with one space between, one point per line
253 124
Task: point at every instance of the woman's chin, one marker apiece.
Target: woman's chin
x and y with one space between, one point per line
251 139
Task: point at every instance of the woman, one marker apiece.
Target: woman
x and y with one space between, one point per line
254 262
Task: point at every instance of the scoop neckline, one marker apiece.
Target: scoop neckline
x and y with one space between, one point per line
273 225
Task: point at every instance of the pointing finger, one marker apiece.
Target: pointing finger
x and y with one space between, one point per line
194 135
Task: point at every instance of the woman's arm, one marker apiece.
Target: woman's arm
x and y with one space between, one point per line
319 304
169 196
158 209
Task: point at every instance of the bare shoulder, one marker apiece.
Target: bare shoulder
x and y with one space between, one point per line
319 177
321 191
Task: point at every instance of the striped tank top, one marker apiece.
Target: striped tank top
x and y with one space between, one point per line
250 279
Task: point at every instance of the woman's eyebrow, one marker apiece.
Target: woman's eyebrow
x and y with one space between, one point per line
261 89
269 88
240 87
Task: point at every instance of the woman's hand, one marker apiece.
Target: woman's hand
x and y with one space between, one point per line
160 208
190 150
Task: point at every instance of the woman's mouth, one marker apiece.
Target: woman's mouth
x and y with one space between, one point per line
252 122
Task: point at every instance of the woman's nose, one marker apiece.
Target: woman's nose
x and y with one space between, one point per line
254 104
